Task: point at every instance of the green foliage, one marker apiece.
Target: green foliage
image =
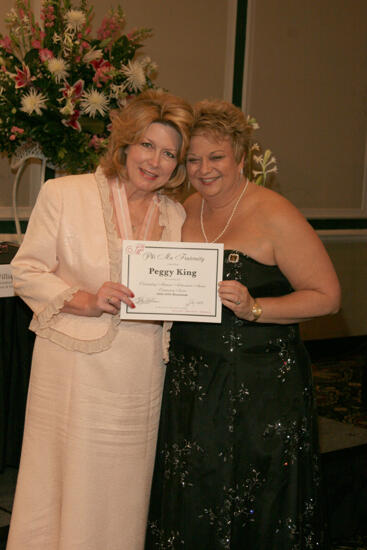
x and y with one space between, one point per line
58 84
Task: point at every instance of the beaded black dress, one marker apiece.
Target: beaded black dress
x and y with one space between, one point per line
237 464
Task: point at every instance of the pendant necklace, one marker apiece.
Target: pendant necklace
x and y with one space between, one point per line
228 221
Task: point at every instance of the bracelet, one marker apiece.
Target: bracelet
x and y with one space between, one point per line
256 310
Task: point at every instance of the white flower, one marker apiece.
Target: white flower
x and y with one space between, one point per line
68 108
252 123
33 102
117 91
68 40
58 67
135 75
255 147
92 55
75 19
148 65
56 38
144 61
153 67
94 102
11 17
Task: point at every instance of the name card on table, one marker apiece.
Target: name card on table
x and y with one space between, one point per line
6 281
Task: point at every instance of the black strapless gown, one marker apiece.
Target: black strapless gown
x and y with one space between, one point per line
237 464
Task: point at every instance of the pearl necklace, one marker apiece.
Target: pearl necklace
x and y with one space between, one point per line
229 219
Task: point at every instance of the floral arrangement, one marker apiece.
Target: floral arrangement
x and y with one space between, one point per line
259 165
58 84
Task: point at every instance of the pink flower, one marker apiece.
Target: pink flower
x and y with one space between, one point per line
73 121
47 13
6 44
36 44
109 28
23 78
15 130
96 142
103 71
45 54
73 92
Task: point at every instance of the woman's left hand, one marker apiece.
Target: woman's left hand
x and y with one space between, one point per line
236 297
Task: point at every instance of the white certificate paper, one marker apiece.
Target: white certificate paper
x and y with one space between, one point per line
172 281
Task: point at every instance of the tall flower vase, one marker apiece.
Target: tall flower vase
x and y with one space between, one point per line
24 154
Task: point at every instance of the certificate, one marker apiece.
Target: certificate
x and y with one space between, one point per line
172 281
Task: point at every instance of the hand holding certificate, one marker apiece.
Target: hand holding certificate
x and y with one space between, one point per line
172 281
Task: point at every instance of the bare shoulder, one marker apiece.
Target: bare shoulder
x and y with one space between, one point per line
276 212
192 204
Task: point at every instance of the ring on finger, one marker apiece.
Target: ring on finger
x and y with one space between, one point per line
109 300
238 302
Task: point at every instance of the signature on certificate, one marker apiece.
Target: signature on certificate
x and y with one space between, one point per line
194 303
142 300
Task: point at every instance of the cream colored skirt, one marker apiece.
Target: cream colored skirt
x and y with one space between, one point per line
89 445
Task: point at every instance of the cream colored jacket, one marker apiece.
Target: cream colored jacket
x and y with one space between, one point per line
71 243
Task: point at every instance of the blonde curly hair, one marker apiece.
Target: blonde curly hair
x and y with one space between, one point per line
223 120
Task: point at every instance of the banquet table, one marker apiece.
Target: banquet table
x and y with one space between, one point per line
16 347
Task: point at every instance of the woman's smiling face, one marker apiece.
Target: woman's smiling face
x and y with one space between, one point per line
151 161
211 165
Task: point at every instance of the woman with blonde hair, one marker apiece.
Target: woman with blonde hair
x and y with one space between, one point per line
96 381
237 460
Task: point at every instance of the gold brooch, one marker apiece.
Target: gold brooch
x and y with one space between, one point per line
233 258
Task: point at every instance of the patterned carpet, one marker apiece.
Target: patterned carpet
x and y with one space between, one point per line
358 543
341 387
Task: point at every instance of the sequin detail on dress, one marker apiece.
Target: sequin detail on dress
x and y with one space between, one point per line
237 466
294 436
238 502
286 355
163 540
177 460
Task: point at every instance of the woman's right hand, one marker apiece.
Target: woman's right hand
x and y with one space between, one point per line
107 299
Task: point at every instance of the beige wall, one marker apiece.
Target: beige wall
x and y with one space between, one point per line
189 42
350 261
306 83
